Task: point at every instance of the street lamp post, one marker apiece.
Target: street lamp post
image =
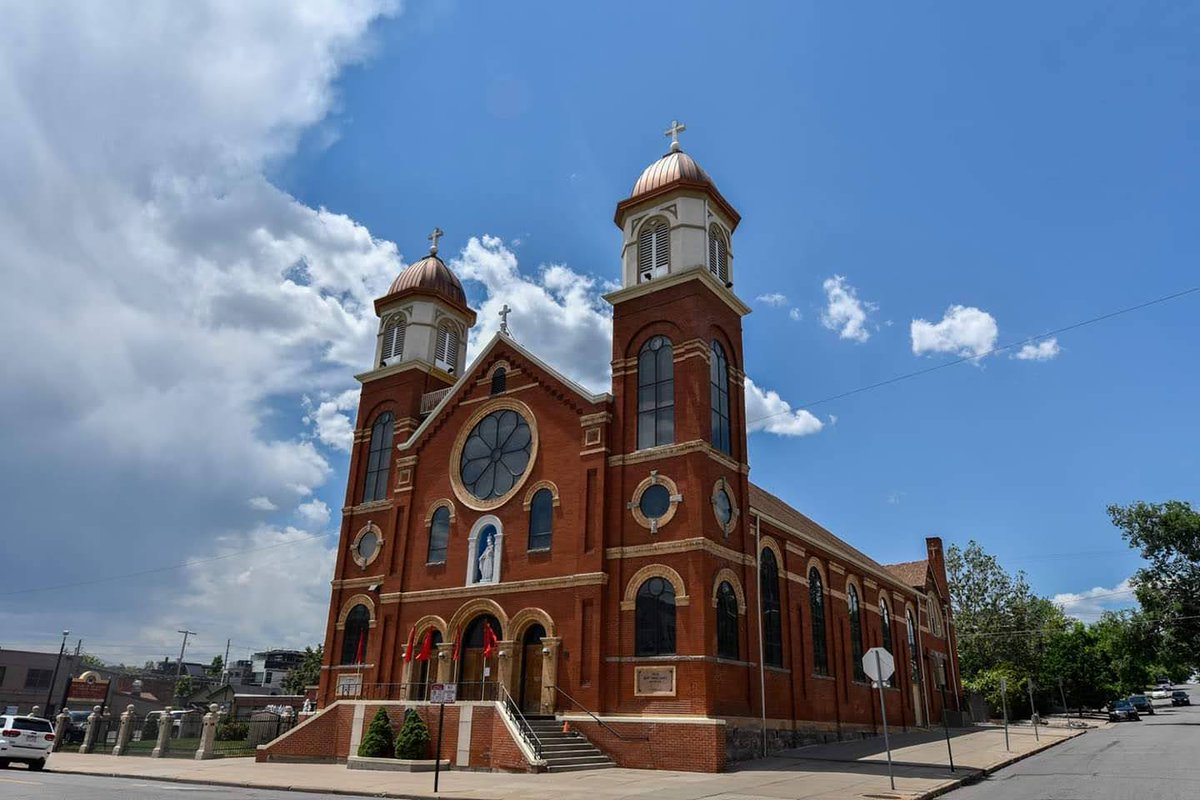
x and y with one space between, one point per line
54 678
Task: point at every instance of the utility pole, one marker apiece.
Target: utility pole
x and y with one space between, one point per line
225 665
179 664
54 677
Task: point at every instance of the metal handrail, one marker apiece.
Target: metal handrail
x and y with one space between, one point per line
523 725
599 721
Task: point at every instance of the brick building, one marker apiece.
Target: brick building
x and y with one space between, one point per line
612 544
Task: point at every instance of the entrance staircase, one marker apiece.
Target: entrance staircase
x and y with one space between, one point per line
564 752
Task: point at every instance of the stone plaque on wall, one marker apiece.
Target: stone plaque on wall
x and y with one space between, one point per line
654 681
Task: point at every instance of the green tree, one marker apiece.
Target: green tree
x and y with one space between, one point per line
379 742
216 667
1168 587
1074 657
183 687
89 661
307 673
413 741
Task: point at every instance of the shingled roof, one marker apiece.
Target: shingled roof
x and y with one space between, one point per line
911 572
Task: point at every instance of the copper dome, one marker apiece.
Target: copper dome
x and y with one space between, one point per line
675 167
431 275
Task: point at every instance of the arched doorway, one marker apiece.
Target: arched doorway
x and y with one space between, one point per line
425 670
530 686
477 675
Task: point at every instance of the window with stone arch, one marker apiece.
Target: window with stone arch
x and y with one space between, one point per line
856 634
379 459
656 393
654 249
935 616
727 622
885 623
499 380
654 619
446 351
816 607
772 614
354 635
718 253
912 645
541 519
718 378
393 339
439 535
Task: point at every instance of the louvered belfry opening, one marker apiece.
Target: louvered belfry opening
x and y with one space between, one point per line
447 345
718 253
393 339
654 249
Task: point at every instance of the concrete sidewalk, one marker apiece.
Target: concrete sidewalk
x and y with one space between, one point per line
824 772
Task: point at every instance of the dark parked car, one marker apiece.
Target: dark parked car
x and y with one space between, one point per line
1122 710
1141 703
1180 698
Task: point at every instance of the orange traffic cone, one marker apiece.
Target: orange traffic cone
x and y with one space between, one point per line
566 726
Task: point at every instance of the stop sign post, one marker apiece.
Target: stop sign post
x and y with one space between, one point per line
879 666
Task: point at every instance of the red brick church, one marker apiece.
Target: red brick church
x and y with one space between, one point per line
603 559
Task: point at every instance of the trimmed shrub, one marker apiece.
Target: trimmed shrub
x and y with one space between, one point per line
413 741
380 741
232 731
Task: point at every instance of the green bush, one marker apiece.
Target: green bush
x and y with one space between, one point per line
380 741
413 741
150 729
233 732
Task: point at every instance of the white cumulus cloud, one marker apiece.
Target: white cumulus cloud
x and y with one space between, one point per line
964 330
262 504
314 512
1089 604
844 311
767 411
1039 351
331 419
774 299
795 315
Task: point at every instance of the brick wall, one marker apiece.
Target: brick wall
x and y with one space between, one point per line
659 745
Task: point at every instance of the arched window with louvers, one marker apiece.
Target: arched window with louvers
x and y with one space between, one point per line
654 249
446 351
379 459
718 253
392 348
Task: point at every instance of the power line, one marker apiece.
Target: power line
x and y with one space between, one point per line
181 565
963 359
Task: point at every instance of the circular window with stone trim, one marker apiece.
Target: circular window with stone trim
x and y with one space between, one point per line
725 506
493 454
654 501
367 545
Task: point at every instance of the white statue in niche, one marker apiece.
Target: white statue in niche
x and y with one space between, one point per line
487 560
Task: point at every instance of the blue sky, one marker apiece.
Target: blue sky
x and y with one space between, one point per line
1034 164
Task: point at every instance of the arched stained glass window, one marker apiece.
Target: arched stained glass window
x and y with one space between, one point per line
772 615
885 623
727 622
541 519
718 378
439 535
816 607
499 380
656 393
912 647
654 619
354 635
379 459
856 636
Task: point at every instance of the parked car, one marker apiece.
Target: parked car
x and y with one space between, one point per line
1141 703
1121 711
26 740
1180 698
76 727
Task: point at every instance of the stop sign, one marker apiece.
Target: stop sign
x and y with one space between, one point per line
878 664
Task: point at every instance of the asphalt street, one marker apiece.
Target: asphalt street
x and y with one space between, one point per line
1155 759
18 784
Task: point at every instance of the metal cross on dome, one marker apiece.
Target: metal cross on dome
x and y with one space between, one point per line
676 128
433 237
504 312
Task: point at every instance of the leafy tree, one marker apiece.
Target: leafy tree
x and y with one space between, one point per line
1168 587
216 667
1074 657
89 661
988 683
183 687
413 741
307 673
379 742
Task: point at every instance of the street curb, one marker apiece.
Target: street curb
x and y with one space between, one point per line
263 786
979 775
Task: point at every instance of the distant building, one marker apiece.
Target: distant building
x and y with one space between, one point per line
25 678
270 667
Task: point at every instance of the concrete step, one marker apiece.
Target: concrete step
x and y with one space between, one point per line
579 767
574 752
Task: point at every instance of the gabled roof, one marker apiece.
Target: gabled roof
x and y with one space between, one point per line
468 378
913 573
769 505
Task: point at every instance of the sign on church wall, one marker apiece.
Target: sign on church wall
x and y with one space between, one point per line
654 681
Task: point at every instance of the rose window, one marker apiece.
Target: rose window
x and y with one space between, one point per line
496 454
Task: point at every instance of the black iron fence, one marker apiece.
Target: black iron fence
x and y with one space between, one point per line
242 737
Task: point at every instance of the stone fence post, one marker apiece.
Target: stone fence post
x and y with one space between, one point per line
208 734
124 732
165 723
36 711
60 729
89 736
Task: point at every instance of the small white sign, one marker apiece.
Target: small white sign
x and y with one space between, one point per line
878 664
443 692
487 672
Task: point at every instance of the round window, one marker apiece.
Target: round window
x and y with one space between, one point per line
496 454
367 546
723 507
654 501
